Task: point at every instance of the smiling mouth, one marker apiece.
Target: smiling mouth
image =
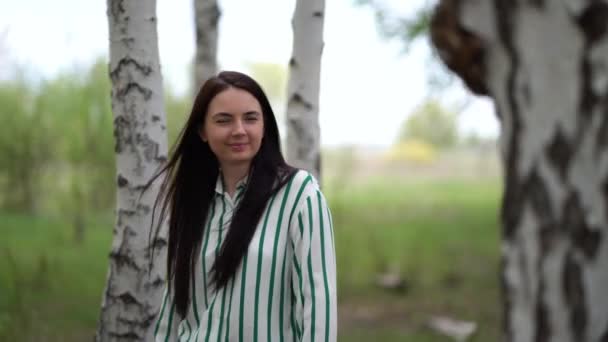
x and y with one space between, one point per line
238 147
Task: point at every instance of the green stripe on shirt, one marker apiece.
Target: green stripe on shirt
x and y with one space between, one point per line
204 252
274 256
311 273
322 234
259 273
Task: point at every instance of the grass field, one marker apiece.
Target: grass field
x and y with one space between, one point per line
441 236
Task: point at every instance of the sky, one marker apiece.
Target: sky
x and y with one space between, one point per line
368 84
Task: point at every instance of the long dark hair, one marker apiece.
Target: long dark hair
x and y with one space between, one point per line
188 188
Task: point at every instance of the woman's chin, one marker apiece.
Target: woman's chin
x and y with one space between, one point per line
238 160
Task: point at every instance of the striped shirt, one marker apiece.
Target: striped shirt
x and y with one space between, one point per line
285 287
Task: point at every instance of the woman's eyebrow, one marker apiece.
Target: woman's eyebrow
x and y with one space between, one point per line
223 114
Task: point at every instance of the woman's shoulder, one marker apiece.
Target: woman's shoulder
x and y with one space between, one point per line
304 182
304 178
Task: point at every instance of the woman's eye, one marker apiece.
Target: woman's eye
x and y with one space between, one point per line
251 118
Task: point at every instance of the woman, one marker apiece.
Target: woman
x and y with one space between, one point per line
251 254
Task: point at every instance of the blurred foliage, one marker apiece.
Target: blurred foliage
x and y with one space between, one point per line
431 123
26 145
272 77
57 146
408 29
412 150
178 110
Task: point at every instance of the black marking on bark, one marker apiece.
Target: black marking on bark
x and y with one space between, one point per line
588 97
121 214
594 21
210 15
128 299
317 14
128 232
304 139
122 133
150 147
156 283
143 209
584 237
148 320
512 198
122 181
292 62
296 98
132 86
128 336
536 193
156 245
543 328
116 9
124 259
559 152
575 296
127 41
155 118
123 63
548 234
604 337
539 4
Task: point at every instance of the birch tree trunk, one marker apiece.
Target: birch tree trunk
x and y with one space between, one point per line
545 64
133 291
303 134
206 18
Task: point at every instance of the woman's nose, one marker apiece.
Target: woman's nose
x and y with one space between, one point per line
238 128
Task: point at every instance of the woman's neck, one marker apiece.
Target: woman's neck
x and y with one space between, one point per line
232 174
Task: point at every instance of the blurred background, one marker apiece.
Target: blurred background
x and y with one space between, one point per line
410 163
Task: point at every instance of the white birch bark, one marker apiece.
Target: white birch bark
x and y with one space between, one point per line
546 67
303 132
132 295
206 18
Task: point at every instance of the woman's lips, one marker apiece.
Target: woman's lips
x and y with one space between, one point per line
238 147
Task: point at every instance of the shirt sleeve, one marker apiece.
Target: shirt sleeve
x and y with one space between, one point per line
314 271
166 321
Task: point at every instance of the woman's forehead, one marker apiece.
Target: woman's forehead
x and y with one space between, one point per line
234 99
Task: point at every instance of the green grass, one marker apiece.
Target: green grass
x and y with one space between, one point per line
442 236
51 286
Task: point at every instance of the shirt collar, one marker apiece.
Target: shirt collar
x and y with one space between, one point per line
219 184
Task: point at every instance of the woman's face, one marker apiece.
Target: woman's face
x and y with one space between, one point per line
234 127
